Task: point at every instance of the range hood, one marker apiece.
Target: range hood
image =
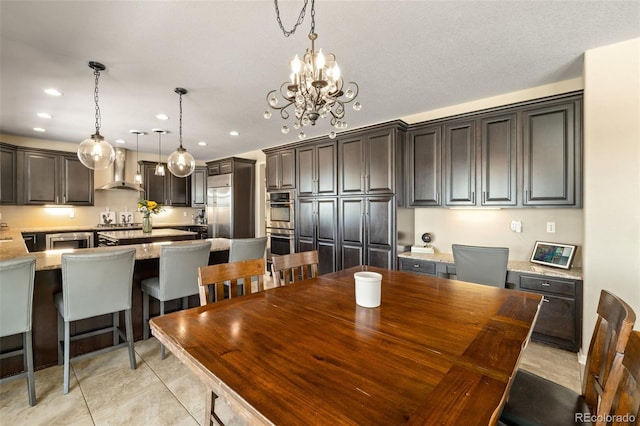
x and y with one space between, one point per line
118 181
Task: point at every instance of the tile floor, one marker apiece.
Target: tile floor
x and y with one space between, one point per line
105 391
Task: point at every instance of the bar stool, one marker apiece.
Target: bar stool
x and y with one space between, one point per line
16 304
177 279
95 284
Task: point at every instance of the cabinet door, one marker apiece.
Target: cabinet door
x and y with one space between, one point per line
351 168
460 164
379 163
8 175
352 231
380 231
179 190
199 187
306 176
154 186
552 154
273 171
41 178
556 318
305 222
424 161
499 160
327 234
326 172
288 169
77 181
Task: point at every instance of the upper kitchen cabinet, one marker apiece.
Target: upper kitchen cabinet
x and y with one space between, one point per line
168 190
52 177
460 163
317 169
424 166
8 174
281 169
370 162
199 187
552 154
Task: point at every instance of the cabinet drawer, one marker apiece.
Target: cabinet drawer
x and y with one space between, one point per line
419 266
548 285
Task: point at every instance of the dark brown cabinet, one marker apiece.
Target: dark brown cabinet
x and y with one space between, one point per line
367 231
8 174
553 154
199 187
367 163
51 177
317 230
424 166
281 169
498 154
317 169
460 163
560 318
167 190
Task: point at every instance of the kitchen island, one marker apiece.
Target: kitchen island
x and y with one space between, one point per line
48 282
136 236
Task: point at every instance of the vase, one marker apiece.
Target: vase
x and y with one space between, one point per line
146 224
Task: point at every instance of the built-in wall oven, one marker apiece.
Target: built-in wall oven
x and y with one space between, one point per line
280 223
69 240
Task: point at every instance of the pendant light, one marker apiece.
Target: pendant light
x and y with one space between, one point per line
180 162
138 177
95 152
159 166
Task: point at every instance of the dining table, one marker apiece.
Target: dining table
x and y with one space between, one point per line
435 352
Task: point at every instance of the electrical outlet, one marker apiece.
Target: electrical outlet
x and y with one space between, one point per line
184 214
516 226
551 227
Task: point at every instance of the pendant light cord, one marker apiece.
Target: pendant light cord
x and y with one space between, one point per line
180 120
95 98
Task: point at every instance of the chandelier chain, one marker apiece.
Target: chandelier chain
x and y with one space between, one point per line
286 32
95 98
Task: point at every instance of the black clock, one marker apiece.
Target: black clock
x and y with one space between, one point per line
427 238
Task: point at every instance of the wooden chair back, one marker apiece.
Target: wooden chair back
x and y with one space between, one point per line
622 404
294 267
613 328
217 275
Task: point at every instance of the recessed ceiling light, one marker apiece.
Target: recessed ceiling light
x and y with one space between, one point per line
53 92
234 133
162 117
39 129
120 141
44 115
202 143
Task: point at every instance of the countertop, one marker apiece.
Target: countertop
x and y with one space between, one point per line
73 228
12 246
514 265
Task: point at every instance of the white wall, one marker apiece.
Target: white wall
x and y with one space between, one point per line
612 177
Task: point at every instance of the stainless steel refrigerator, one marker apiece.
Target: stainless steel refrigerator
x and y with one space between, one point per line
230 203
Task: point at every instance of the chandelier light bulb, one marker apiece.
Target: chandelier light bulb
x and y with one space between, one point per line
296 65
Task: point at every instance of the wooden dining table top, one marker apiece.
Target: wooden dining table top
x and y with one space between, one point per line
436 351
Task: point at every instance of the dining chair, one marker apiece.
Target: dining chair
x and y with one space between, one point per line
288 268
481 265
216 275
177 278
95 284
535 400
246 249
622 404
16 307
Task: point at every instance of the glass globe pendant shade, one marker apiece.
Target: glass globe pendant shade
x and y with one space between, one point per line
96 153
159 169
138 177
181 163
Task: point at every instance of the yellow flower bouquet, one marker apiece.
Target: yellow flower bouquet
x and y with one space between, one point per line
149 207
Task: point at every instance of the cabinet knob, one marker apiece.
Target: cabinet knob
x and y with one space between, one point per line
545 284
544 299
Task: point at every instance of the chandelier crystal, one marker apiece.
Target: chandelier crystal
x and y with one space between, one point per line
96 153
181 163
315 89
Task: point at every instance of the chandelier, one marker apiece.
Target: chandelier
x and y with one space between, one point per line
181 163
315 89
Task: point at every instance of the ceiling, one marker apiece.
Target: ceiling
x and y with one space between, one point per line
406 56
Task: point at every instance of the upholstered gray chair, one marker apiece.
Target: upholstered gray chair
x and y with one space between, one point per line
481 265
16 303
95 284
177 279
245 249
